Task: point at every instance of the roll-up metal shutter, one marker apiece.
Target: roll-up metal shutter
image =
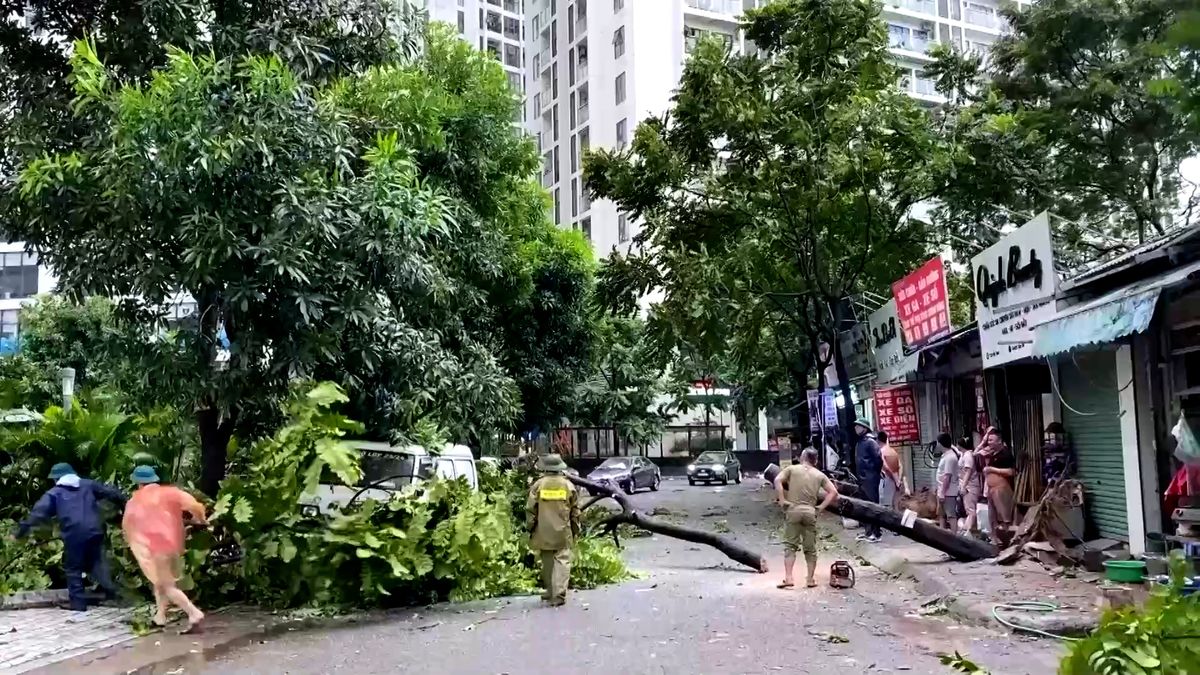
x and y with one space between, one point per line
924 464
1088 382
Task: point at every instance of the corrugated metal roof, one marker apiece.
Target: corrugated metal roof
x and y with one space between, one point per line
1142 253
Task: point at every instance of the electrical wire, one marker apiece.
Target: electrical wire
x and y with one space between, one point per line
1054 384
1028 606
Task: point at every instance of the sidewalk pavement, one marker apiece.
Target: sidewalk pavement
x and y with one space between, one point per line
970 591
35 637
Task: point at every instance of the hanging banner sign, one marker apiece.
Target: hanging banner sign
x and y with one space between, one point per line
818 402
856 350
1015 285
887 345
896 413
923 304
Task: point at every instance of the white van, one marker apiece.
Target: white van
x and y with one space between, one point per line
388 469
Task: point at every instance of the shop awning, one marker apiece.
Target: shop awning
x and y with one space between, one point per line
1105 319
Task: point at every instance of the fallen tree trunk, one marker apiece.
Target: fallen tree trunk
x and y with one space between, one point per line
963 549
727 546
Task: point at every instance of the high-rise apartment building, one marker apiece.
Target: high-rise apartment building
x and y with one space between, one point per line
497 26
598 67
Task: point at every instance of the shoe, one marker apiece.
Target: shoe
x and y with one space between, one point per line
558 602
874 539
861 537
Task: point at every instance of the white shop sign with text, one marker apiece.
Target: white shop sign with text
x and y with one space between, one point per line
1015 283
887 343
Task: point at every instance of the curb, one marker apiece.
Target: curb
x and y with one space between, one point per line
977 613
33 599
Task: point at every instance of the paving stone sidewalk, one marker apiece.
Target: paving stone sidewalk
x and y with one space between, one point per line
972 590
32 638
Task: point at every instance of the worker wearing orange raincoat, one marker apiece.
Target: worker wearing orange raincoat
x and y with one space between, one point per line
154 530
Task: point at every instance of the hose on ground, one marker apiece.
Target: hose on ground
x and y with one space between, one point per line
1028 606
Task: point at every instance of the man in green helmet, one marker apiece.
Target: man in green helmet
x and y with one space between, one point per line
553 509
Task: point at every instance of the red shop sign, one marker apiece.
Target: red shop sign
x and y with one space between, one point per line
896 413
923 305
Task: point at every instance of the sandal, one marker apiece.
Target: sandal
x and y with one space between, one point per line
786 584
193 627
810 584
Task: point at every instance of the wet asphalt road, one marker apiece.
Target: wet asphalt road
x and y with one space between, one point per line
691 611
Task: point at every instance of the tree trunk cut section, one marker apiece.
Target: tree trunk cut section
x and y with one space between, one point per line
963 549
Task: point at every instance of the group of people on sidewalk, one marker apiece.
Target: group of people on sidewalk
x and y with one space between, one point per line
153 524
969 475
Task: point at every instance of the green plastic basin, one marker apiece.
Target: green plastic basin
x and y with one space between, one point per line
1125 570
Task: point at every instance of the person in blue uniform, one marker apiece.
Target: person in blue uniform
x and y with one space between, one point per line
75 503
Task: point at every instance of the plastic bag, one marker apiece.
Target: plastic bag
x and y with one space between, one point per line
1187 449
983 518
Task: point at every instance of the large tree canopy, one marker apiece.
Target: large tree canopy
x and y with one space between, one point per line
360 229
779 183
1076 111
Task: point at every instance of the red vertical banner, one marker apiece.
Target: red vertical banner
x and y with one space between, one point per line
923 305
896 413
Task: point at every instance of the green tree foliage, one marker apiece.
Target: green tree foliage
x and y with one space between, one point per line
1072 112
779 184
359 230
440 540
628 387
547 323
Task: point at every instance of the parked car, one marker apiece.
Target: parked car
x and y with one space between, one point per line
715 465
388 469
628 473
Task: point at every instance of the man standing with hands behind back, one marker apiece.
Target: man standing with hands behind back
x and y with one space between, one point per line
800 488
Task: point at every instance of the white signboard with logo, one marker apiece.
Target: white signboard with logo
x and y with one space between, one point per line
1015 285
887 344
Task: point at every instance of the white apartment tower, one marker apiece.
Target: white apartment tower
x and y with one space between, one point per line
598 67
497 26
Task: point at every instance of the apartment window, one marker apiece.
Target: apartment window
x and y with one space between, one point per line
619 42
619 88
618 5
548 168
574 197
554 115
692 37
554 83
571 67
556 175
571 23
622 228
513 6
572 111
622 134
557 207
585 226
583 102
462 23
585 141
585 199
10 324
18 275
554 38
512 56
493 22
514 81
574 154
493 46
512 28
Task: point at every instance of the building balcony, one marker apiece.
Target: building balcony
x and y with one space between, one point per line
977 19
918 6
544 21
580 27
581 72
583 113
912 44
724 7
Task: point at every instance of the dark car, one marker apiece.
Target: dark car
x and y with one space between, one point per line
628 473
715 465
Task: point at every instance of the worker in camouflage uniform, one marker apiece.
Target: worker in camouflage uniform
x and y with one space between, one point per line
553 508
